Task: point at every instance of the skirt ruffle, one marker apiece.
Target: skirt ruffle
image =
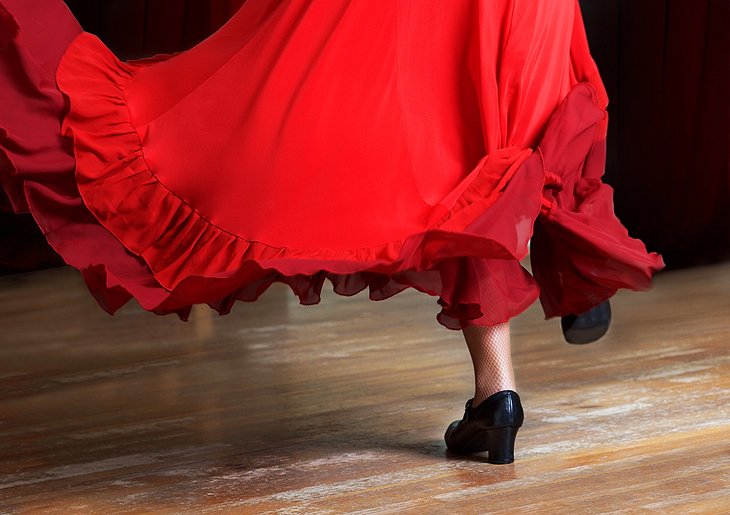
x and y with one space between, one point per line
104 210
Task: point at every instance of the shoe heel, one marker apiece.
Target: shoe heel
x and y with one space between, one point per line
501 445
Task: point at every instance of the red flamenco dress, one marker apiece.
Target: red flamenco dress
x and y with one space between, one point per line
377 144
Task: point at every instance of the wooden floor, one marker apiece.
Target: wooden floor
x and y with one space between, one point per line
341 407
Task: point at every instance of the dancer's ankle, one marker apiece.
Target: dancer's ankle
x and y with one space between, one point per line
482 394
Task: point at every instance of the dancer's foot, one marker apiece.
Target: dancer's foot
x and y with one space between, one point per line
489 426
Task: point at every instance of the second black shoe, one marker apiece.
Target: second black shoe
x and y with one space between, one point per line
589 326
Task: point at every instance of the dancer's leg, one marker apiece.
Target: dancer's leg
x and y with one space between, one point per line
491 355
489 425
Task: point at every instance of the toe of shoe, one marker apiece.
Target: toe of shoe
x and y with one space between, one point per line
448 435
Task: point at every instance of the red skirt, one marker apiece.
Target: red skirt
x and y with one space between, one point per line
377 144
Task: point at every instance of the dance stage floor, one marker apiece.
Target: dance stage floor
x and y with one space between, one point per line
341 407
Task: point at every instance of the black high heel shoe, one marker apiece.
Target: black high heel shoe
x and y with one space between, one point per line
491 426
589 326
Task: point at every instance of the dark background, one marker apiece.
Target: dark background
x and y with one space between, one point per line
665 65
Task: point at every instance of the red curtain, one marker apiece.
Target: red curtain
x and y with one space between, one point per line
139 28
665 65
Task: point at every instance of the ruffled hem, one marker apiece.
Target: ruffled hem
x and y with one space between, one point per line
580 252
169 257
197 261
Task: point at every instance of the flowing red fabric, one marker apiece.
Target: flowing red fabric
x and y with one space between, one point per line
373 144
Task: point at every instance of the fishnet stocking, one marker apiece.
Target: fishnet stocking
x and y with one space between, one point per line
491 355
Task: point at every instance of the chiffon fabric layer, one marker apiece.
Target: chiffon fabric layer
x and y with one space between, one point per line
382 145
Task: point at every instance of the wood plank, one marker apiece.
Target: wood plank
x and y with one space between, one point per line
341 407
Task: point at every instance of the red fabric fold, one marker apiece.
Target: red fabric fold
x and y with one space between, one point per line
200 262
110 213
579 244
